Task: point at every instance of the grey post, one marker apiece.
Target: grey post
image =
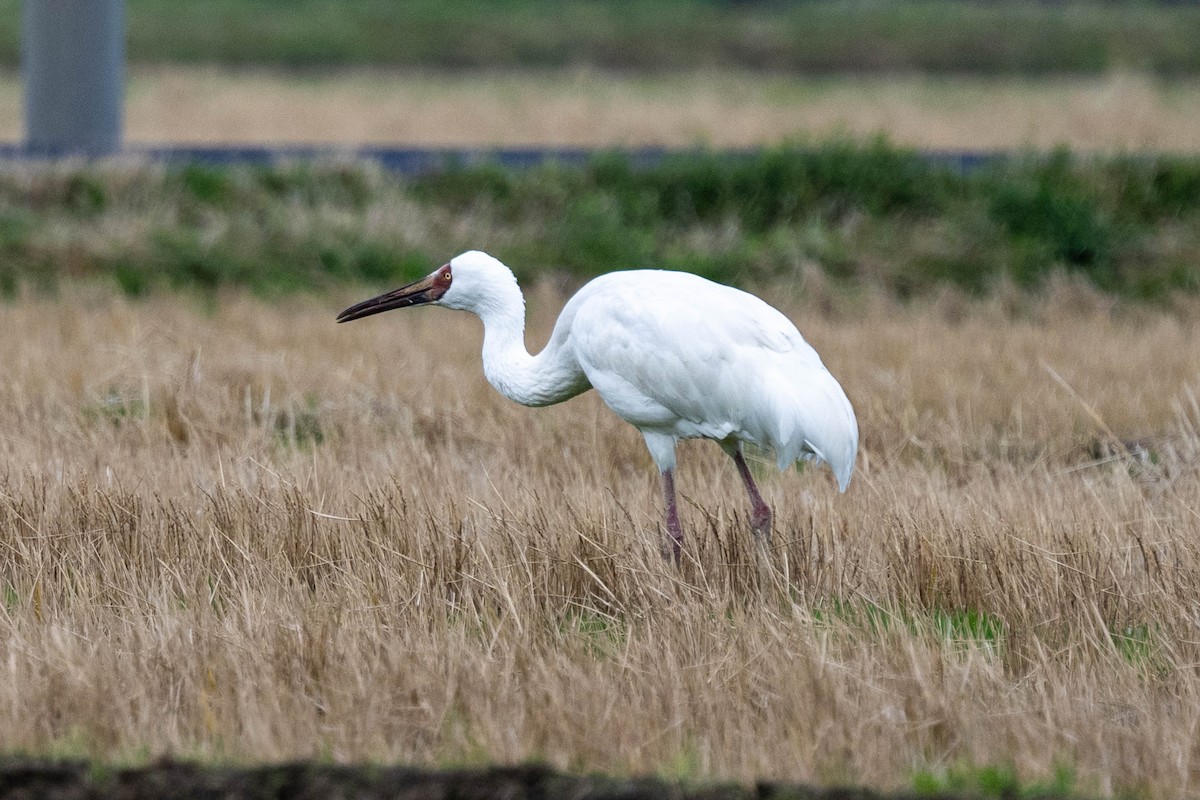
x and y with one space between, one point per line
73 64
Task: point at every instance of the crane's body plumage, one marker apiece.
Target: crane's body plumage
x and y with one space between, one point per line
681 357
673 354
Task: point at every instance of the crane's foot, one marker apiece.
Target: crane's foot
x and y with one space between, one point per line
673 550
760 512
760 524
673 546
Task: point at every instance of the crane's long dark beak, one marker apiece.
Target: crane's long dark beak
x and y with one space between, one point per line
414 294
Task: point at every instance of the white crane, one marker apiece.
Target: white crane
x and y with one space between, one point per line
673 354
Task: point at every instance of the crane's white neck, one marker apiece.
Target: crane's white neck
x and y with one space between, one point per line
549 377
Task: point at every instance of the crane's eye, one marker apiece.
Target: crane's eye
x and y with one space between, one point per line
446 276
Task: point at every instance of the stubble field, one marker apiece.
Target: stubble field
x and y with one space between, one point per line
238 531
589 108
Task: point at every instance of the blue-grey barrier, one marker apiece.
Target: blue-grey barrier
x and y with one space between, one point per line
419 160
73 70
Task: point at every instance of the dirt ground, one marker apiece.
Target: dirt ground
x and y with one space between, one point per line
169 779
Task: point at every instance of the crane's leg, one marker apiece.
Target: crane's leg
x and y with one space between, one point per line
760 512
662 450
674 544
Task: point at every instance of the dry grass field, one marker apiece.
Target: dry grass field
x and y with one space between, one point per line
590 109
240 531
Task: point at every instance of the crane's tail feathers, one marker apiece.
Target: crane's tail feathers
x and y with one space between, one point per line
842 467
814 421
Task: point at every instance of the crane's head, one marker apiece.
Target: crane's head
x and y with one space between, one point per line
471 281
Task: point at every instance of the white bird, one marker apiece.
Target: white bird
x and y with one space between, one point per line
673 354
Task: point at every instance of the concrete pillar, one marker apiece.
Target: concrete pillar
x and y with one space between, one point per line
73 65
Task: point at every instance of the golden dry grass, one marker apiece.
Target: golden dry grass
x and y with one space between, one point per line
199 106
249 532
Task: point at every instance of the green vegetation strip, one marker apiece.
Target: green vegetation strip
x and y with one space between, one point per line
943 36
855 215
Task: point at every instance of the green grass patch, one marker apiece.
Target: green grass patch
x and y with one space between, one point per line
300 425
1141 645
966 780
602 634
116 408
958 628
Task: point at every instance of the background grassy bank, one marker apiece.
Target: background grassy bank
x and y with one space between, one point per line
841 214
934 36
